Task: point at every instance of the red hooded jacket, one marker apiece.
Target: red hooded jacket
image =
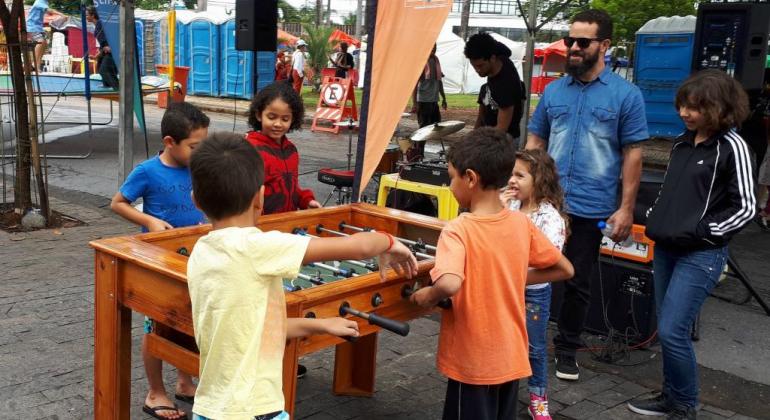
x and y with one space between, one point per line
282 190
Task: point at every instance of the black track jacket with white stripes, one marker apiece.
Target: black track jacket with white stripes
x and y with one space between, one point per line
707 194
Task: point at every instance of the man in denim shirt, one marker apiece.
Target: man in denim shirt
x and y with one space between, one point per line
592 123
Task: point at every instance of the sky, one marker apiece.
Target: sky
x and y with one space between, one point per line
342 7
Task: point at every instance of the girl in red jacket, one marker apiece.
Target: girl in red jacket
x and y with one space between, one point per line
276 110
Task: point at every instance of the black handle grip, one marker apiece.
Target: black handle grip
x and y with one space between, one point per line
445 303
350 338
398 327
408 291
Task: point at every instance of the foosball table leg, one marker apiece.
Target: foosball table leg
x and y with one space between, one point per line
354 367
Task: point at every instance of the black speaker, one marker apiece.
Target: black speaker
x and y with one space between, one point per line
256 25
733 37
622 299
649 187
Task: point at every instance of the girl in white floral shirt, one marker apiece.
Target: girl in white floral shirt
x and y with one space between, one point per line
534 189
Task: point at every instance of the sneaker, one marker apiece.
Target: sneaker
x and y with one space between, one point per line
538 407
567 368
682 412
301 371
762 222
657 405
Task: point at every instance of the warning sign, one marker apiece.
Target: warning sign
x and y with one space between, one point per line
337 102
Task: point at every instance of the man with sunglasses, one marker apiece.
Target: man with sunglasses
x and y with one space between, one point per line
592 123
501 99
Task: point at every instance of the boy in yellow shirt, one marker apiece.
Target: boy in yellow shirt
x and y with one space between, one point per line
235 277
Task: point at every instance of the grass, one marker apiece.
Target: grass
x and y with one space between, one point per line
454 101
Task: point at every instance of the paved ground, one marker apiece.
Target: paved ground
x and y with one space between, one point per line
46 322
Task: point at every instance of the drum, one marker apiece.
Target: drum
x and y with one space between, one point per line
388 161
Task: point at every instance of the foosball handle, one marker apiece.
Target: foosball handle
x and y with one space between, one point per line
398 327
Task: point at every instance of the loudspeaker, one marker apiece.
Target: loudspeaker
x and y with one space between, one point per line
649 187
733 37
623 289
256 25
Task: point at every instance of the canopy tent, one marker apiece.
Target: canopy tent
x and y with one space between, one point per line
554 57
340 36
459 76
286 38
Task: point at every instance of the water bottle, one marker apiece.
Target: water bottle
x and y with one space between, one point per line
606 229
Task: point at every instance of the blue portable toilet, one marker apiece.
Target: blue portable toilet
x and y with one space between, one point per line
181 46
204 53
237 67
663 60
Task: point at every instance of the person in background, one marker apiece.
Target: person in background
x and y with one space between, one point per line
280 66
707 197
501 98
343 61
425 101
35 31
105 64
298 67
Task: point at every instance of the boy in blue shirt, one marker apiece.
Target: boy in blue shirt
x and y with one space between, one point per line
35 31
164 184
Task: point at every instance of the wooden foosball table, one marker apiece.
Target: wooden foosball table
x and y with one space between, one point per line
146 273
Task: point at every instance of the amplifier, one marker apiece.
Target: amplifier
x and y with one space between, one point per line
426 172
641 249
625 291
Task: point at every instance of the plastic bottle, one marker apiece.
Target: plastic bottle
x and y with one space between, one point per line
606 229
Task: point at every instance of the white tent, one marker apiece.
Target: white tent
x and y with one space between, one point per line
459 76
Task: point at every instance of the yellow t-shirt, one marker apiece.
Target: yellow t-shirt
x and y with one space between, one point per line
239 316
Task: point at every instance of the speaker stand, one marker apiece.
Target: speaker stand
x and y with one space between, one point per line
738 273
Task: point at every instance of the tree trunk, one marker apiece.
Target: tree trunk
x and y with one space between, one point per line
319 9
359 19
22 193
529 62
465 16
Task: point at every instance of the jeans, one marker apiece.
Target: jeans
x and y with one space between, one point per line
538 303
582 249
683 280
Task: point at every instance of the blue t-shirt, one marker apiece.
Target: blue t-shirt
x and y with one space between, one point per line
586 127
35 16
166 193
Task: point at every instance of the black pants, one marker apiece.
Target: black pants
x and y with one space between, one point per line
105 66
427 113
582 250
480 402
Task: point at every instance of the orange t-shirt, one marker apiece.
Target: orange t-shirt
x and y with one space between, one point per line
483 339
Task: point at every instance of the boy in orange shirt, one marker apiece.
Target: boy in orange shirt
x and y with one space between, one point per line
482 262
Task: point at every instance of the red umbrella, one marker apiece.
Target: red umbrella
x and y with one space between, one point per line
340 36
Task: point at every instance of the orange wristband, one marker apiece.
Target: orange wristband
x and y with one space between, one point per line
390 240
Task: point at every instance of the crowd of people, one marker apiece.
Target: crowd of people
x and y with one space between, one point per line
580 164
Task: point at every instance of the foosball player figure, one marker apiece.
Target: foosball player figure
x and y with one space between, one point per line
235 278
482 262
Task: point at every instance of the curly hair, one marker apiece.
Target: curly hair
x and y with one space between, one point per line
482 45
277 90
720 98
545 180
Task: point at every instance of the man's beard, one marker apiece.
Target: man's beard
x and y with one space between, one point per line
588 62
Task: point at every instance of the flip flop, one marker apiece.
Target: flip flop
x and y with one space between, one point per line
153 411
190 399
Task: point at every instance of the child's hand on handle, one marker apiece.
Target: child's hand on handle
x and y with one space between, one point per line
313 204
156 225
399 258
424 298
340 327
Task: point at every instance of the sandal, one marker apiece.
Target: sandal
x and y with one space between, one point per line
153 411
189 399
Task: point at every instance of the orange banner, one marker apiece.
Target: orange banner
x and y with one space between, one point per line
405 31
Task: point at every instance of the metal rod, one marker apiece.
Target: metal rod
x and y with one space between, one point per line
338 233
333 269
368 266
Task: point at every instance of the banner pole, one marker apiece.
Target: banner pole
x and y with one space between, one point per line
371 18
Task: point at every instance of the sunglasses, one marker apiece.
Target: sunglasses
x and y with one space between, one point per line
583 43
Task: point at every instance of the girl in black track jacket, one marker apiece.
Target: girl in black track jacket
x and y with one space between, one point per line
706 198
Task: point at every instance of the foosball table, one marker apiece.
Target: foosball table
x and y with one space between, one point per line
146 273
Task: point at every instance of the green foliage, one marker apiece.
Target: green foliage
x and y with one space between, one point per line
350 19
289 12
318 47
629 15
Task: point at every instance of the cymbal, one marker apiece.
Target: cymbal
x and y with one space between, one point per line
346 123
437 131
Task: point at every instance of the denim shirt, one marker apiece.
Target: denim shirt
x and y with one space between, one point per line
586 126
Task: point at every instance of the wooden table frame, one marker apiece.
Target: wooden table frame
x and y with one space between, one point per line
146 274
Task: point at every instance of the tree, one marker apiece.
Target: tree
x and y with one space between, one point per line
350 19
319 48
629 15
289 13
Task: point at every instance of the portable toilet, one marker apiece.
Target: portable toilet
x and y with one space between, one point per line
237 67
664 49
150 21
181 53
203 41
